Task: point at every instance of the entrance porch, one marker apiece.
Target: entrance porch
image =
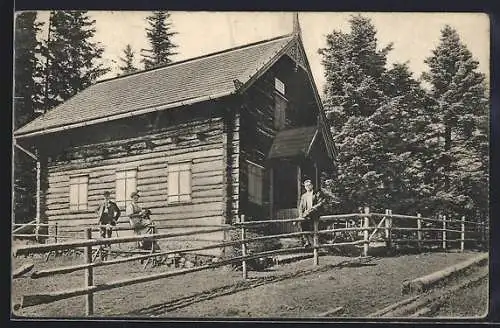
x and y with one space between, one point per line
295 155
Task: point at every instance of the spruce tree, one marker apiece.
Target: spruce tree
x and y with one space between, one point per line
159 33
461 107
72 55
27 91
353 70
378 115
127 60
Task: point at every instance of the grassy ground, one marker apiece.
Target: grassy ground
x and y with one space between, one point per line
291 290
468 302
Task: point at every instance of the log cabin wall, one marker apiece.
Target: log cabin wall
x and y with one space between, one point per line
258 124
148 144
232 178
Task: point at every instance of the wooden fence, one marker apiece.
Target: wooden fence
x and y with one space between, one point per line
366 226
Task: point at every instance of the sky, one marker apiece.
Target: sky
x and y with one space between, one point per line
413 35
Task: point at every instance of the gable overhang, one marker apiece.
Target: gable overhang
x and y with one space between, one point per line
268 64
323 126
323 122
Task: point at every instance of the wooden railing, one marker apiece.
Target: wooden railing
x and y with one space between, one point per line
359 223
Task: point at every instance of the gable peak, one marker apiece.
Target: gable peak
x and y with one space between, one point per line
296 24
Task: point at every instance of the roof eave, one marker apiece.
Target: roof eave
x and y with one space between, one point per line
121 115
239 90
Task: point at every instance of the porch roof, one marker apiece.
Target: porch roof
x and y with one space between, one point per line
293 142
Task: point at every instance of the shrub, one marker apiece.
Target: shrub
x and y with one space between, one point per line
252 247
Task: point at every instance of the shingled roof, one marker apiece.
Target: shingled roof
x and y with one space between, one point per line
292 142
186 82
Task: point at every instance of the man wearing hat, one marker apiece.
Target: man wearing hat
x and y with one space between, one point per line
135 213
108 213
310 203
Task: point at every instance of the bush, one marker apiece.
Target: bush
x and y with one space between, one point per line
252 247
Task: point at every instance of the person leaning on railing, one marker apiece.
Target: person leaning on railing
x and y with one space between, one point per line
140 219
309 206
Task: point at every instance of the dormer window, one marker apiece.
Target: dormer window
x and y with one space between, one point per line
279 86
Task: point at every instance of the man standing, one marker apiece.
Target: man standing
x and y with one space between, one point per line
310 203
108 213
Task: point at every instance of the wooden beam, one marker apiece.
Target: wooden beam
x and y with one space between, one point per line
299 183
117 240
38 186
27 152
316 176
331 312
44 298
311 144
271 192
22 270
77 267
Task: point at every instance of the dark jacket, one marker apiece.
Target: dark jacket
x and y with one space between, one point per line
112 215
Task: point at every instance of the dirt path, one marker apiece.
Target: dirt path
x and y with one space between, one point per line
360 290
292 290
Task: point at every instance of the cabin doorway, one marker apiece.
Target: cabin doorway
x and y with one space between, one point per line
287 179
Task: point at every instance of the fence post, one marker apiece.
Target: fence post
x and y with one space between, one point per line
390 228
387 231
243 248
444 232
482 226
55 233
366 233
89 275
419 230
315 241
462 235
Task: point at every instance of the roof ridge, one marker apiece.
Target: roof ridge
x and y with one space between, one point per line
241 47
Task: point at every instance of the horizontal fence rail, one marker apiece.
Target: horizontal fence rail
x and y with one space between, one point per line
359 229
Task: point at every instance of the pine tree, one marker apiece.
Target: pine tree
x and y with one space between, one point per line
379 116
128 60
459 91
353 71
72 55
159 34
27 92
27 88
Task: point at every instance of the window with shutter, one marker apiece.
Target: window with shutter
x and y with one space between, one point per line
126 183
78 192
179 182
255 181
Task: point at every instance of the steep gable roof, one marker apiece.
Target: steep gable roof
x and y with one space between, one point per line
186 82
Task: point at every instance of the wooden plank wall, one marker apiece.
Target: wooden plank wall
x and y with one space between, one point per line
232 126
258 130
149 154
257 134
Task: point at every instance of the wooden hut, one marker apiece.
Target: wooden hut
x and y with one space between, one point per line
203 140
